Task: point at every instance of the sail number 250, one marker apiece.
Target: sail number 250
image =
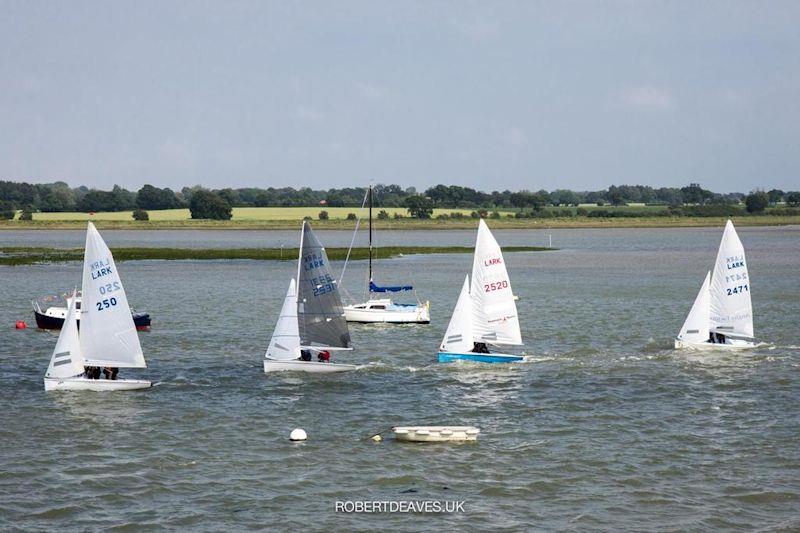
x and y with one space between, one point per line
105 304
737 290
489 287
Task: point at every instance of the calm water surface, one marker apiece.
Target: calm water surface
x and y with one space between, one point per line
607 427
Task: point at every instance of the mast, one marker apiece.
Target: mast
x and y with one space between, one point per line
370 235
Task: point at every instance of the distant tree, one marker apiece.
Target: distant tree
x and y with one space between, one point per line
495 214
383 215
7 211
323 215
307 218
695 194
27 213
140 215
775 196
419 206
792 198
351 216
207 205
150 197
615 196
756 202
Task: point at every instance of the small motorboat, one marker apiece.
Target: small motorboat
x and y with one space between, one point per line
51 311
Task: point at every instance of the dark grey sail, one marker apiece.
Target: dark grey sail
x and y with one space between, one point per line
319 308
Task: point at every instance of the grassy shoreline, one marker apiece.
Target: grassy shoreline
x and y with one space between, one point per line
410 223
20 255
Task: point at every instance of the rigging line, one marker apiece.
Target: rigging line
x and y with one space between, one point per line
353 239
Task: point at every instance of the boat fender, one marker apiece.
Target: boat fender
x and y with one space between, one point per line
21 324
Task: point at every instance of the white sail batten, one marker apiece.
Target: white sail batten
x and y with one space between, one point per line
108 335
696 327
494 313
67 360
285 342
731 311
458 337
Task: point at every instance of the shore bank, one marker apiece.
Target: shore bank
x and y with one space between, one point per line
16 255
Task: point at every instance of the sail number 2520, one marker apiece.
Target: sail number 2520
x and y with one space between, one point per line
489 287
737 290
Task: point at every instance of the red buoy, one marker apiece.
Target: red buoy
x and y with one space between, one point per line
21 324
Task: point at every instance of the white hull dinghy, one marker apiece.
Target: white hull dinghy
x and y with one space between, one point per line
436 433
721 317
383 310
485 313
311 320
107 338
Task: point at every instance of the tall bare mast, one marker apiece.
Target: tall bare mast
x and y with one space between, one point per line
370 233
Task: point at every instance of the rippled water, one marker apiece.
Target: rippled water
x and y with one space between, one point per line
607 427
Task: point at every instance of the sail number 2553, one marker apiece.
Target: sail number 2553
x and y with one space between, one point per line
489 287
737 290
105 304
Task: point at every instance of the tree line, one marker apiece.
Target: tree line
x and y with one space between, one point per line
60 197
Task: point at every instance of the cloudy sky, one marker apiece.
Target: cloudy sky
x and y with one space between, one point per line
489 94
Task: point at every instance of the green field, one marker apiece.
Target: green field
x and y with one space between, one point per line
240 214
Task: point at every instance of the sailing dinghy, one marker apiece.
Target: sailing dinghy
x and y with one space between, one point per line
311 320
485 313
383 309
107 337
722 315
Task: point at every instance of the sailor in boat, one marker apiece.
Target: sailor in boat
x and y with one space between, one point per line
324 356
305 355
110 372
480 347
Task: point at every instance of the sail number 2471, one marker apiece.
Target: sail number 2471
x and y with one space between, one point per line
737 290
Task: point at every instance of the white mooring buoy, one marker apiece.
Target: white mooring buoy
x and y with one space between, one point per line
298 434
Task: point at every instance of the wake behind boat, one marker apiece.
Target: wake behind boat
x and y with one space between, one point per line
383 309
108 337
311 320
485 312
721 317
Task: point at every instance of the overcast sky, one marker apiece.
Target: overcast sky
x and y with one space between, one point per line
491 95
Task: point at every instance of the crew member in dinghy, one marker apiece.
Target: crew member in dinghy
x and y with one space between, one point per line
305 355
480 347
324 356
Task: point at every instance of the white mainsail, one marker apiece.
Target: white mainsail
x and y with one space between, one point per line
494 313
696 327
458 337
285 342
731 308
108 335
67 360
